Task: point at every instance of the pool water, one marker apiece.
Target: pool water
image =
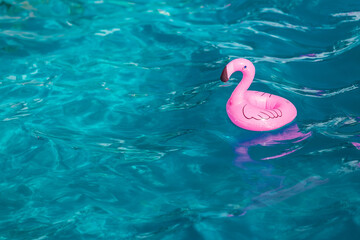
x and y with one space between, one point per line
113 120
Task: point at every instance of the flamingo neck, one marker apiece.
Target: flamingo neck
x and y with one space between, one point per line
248 75
244 84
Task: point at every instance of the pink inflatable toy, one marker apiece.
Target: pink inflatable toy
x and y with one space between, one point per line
252 110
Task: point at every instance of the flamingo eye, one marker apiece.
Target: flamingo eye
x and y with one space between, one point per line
244 67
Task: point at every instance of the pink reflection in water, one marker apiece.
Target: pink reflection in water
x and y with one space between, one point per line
309 55
291 133
357 145
280 155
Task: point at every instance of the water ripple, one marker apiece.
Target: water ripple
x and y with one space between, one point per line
338 127
311 92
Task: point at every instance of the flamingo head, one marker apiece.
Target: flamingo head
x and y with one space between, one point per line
239 64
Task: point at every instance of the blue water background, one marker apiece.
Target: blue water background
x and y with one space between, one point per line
113 121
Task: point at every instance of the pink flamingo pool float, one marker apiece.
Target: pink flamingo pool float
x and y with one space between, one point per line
253 110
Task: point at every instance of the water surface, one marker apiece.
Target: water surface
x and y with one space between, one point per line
113 121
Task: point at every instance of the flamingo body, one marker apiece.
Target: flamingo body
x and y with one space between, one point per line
252 110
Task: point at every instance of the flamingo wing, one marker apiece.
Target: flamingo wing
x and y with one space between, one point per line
253 112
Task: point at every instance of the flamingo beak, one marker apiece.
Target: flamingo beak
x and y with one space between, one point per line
224 76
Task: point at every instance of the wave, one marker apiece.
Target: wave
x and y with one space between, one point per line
341 127
311 92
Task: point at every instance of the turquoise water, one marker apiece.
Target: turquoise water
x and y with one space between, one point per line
113 121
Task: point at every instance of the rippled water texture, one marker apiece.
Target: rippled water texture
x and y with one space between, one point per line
113 121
